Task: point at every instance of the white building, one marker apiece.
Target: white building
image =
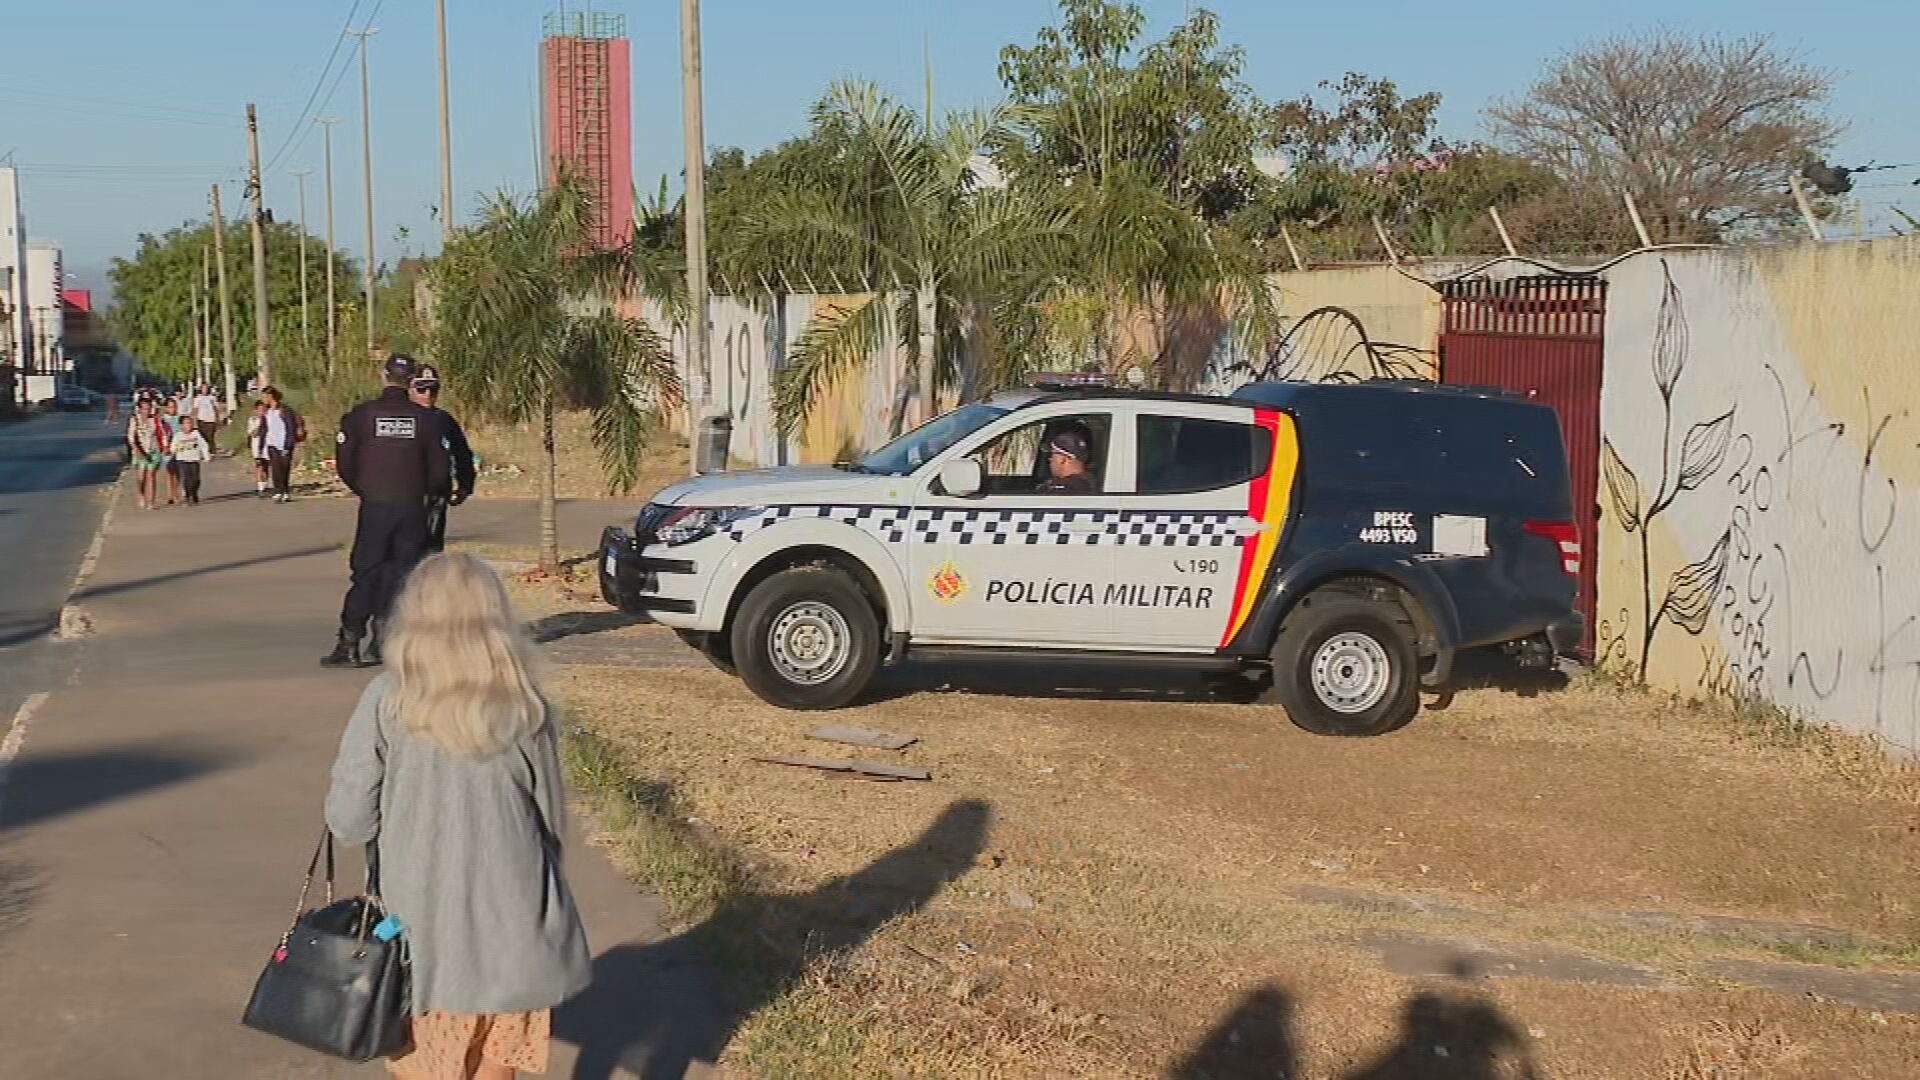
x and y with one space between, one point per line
46 315
15 333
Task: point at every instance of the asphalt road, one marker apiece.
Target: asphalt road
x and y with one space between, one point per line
55 473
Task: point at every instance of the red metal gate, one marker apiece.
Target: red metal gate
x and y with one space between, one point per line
1539 336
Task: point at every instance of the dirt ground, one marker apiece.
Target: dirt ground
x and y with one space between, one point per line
1134 880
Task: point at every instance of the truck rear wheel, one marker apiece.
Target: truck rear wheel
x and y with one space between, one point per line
806 638
1345 665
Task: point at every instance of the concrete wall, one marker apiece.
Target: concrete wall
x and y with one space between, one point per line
750 340
1761 479
46 314
1339 325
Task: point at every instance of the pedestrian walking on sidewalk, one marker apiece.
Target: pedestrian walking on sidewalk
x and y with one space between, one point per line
170 419
207 415
280 433
147 439
262 470
451 763
390 454
190 451
425 392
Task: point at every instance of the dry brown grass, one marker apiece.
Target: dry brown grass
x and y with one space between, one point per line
510 460
1136 884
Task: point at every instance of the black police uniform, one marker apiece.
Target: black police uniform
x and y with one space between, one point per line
461 454
391 455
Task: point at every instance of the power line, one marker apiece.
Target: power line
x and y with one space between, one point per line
306 110
297 138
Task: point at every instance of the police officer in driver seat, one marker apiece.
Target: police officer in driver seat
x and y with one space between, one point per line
391 454
1069 455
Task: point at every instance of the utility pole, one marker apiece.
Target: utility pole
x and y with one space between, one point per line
199 352
226 297
366 169
696 165
306 330
446 126
205 360
326 126
262 333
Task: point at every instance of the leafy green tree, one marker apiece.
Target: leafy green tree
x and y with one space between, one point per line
905 210
1150 149
526 318
153 308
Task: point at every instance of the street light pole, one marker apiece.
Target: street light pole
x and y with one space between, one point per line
306 327
446 126
366 169
326 126
694 125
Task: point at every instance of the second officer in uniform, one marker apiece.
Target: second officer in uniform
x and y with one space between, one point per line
392 456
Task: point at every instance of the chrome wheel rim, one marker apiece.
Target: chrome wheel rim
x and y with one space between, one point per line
809 643
1351 672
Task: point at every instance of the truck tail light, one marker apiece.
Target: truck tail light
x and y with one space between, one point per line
1567 535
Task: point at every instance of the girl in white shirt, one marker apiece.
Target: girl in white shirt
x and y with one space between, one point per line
190 450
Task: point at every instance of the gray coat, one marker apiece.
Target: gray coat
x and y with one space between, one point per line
466 861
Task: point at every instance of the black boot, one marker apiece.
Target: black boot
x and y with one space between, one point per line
370 656
346 652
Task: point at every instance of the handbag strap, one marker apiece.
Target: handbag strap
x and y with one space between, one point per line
323 849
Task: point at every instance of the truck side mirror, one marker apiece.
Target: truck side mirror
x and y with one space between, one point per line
962 478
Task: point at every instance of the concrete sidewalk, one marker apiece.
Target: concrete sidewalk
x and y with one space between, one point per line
154 826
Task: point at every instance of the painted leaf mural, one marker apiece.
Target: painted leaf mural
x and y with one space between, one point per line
1694 587
1670 336
1623 488
1704 450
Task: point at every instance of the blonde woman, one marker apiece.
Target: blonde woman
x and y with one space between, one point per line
450 764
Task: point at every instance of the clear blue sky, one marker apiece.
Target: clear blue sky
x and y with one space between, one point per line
122 112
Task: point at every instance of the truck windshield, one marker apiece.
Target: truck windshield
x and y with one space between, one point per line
922 444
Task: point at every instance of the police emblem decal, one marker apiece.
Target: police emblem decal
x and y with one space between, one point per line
393 427
947 584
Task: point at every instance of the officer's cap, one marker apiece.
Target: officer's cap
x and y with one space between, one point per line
426 377
400 367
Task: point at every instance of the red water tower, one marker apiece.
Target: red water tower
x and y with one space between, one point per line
586 74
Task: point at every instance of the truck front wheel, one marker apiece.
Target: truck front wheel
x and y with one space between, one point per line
1345 665
806 638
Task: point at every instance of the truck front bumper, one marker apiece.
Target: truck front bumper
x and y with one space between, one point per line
663 589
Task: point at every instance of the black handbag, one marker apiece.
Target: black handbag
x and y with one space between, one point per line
331 985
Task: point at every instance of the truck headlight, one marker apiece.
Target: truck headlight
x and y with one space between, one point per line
690 523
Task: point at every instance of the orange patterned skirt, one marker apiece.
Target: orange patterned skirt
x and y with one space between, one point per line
450 1045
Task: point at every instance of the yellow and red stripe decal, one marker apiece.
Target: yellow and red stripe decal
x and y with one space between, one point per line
1267 503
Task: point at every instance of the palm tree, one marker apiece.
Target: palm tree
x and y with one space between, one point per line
907 211
530 315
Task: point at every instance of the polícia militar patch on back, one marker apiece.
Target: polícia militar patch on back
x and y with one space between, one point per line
393 427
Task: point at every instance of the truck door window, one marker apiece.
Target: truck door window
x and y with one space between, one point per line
1182 454
1017 463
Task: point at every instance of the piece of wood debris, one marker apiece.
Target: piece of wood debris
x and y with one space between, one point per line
871 769
854 736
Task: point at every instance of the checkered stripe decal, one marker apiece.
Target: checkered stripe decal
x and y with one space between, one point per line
895 525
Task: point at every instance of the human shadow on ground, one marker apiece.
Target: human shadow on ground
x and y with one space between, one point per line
566 624
41 787
654 1010
94 592
1452 1035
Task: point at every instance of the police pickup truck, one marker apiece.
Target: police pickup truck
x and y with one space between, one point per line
1335 544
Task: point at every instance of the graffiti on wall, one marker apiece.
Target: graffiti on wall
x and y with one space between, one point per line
1758 550
1327 344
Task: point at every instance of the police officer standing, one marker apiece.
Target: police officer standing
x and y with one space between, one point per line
392 455
425 392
